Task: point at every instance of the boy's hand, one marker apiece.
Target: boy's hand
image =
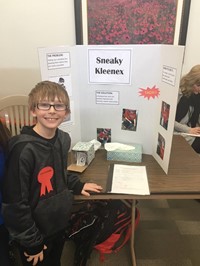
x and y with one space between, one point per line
90 187
35 258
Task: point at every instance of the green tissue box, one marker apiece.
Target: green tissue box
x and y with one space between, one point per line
132 156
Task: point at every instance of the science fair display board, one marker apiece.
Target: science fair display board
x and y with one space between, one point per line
123 93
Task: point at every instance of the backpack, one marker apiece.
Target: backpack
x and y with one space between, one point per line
103 225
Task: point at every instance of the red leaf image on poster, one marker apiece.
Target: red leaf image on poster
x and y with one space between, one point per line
149 92
131 21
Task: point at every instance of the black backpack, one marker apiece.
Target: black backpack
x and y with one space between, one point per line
104 225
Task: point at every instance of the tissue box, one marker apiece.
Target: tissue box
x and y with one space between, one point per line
82 147
126 155
87 148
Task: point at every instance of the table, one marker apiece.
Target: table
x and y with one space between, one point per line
181 182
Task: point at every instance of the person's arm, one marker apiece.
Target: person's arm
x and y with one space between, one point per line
73 180
79 187
182 109
74 183
89 188
16 209
182 128
181 119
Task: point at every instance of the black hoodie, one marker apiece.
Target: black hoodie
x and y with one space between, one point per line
37 192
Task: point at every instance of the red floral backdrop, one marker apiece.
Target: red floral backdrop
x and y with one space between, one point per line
131 21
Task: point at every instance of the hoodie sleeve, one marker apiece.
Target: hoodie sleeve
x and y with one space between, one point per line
16 209
73 181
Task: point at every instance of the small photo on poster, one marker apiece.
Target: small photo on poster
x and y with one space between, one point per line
65 81
164 114
104 135
129 119
60 80
161 146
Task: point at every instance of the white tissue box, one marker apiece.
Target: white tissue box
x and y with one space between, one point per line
87 148
132 156
81 147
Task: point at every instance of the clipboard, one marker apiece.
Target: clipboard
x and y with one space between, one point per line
110 178
127 179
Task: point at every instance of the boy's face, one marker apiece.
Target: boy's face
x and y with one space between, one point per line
52 118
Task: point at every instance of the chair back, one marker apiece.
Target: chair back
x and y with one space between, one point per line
14 112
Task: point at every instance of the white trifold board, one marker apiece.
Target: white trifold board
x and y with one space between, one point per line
130 74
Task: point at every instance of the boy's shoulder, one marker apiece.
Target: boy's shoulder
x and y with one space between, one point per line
18 142
63 135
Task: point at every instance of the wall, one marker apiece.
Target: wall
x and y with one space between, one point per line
192 54
26 25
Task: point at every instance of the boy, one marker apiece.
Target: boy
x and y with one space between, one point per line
37 196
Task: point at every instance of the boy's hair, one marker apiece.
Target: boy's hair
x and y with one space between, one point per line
48 90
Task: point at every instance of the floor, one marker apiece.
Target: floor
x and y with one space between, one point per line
168 235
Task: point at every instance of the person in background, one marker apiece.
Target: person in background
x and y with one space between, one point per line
187 118
37 192
4 236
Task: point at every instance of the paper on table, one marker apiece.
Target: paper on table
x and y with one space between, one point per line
129 179
192 135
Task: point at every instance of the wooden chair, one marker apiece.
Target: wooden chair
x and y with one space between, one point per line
14 112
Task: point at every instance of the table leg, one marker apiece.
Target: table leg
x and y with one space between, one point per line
133 233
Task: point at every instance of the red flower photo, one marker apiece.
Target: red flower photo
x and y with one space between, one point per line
131 21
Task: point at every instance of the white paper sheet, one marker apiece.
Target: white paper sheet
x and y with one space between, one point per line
129 179
192 135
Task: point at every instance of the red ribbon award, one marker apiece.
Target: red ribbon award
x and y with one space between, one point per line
44 177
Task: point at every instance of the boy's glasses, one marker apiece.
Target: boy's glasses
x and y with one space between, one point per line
47 106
